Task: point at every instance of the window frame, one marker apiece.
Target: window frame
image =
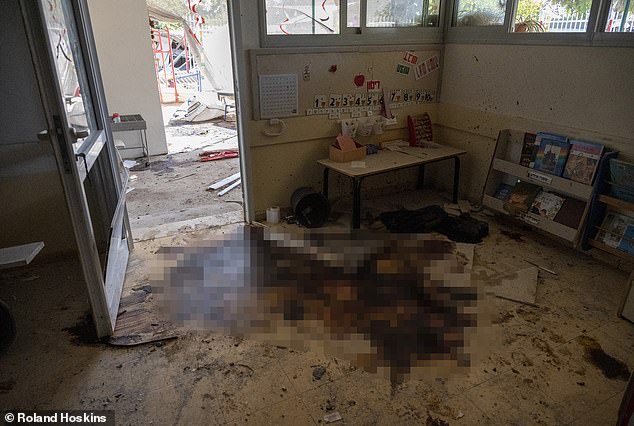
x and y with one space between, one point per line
362 35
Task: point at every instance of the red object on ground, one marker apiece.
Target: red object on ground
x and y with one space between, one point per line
212 156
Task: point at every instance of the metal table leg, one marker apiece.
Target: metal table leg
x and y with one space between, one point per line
421 176
456 178
356 202
325 183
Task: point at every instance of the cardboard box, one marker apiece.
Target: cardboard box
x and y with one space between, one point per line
345 156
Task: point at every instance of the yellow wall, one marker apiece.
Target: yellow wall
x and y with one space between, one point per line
585 92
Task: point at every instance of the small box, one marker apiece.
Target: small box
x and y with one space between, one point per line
345 156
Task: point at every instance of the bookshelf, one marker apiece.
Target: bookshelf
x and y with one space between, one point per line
601 204
505 168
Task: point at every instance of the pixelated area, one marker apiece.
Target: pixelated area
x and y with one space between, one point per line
387 302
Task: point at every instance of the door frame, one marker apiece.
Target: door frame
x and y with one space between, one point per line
241 84
69 166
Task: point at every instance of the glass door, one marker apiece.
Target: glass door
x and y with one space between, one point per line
94 181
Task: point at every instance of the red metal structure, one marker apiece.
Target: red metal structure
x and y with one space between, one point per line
164 61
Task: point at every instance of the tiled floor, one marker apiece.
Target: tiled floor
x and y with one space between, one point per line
535 370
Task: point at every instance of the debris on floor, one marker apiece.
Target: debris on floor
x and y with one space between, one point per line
519 286
217 155
431 421
550 271
516 236
332 417
318 372
229 188
225 181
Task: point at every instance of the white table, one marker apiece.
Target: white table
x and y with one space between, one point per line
386 161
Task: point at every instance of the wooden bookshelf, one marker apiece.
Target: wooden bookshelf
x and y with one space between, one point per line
505 168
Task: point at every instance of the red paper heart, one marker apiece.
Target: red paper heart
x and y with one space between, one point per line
359 80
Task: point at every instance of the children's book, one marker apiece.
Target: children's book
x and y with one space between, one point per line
552 154
613 228
529 150
622 177
627 242
503 191
547 204
583 161
521 198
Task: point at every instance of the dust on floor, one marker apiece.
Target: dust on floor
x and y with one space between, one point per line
539 369
173 189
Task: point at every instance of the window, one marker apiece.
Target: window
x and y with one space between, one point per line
579 22
564 16
620 17
319 22
402 13
286 17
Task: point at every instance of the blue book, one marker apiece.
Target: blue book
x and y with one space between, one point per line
553 153
627 241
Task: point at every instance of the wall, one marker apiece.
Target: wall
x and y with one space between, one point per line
124 49
34 207
578 91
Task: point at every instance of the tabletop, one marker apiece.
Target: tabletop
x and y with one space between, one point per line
385 160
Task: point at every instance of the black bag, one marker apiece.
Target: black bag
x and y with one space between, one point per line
463 229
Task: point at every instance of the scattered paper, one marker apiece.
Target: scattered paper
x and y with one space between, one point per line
133 177
128 164
333 417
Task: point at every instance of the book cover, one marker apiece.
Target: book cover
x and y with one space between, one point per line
613 228
521 197
622 177
547 204
627 242
583 161
552 154
503 191
571 212
529 150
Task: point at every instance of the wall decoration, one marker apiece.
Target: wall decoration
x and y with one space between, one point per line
402 69
410 57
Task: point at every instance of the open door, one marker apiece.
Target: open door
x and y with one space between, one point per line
65 62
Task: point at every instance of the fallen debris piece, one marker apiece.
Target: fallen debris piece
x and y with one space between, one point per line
318 372
226 181
513 235
128 164
133 177
550 271
181 177
520 286
212 156
333 417
229 188
464 206
435 421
